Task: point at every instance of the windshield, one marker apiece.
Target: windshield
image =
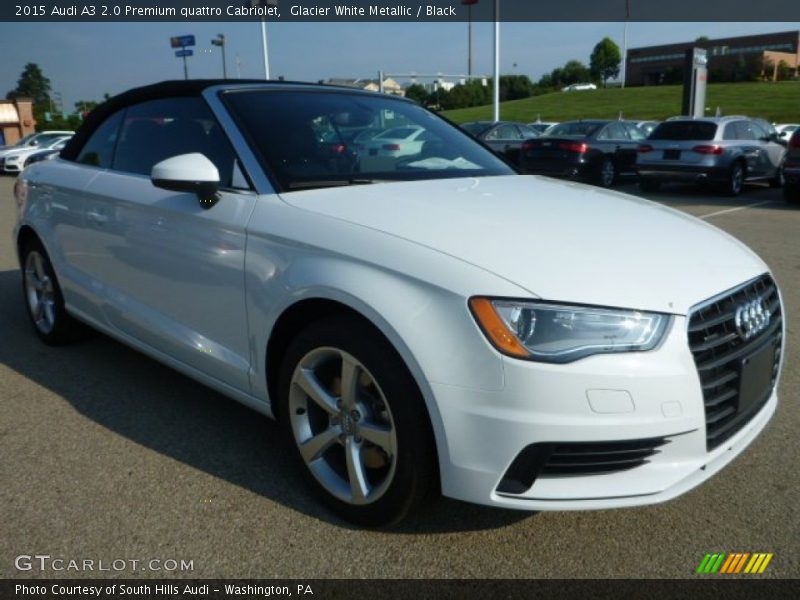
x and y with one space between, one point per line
24 141
574 129
684 130
320 139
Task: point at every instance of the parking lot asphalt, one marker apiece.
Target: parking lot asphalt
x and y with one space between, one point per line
107 455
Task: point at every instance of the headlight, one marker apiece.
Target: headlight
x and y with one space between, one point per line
559 333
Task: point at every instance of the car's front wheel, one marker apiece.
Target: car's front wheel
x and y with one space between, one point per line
43 298
357 421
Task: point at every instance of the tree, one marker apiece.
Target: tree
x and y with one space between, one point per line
574 72
514 87
702 39
417 93
605 60
32 84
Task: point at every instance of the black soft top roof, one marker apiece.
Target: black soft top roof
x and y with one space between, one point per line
163 89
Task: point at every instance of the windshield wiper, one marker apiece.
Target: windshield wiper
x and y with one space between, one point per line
306 185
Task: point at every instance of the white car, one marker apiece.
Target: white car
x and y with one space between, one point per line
577 87
785 130
14 161
34 140
442 324
398 141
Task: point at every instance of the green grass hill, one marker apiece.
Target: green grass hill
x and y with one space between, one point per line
777 102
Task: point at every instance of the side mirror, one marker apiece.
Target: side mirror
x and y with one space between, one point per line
192 173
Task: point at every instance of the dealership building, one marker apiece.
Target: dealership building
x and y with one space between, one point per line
654 65
16 120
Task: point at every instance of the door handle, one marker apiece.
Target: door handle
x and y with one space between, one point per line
96 217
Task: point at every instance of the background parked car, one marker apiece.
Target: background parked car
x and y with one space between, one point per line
647 127
41 155
577 87
14 161
791 169
724 150
504 137
599 151
785 130
35 140
542 126
398 141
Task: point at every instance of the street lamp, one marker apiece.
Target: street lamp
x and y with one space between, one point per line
220 41
264 3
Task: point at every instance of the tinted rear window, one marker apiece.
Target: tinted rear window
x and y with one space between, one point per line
574 129
684 130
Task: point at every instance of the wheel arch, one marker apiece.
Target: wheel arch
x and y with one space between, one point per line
311 308
25 234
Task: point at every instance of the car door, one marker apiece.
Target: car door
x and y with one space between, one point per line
616 142
169 271
752 148
773 151
504 139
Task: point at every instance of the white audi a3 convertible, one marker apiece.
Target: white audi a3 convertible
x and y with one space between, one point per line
420 323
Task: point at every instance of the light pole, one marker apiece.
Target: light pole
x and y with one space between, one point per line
220 41
264 3
496 94
625 42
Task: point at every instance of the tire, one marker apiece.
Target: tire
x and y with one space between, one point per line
607 173
649 185
368 454
791 193
778 181
735 180
44 300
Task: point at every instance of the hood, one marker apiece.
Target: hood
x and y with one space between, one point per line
561 241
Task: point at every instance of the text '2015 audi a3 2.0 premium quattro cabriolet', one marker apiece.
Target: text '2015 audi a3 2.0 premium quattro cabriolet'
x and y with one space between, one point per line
418 323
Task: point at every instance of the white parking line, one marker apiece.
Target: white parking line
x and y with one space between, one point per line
730 210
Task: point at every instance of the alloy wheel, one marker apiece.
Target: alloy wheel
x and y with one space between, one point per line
40 292
343 426
607 173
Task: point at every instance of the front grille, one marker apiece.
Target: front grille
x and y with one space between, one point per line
564 459
719 350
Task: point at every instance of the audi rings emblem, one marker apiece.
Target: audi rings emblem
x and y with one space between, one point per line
751 318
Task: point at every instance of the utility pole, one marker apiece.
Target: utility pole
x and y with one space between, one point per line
469 4
220 41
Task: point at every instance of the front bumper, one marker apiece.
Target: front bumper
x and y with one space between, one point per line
10 166
598 399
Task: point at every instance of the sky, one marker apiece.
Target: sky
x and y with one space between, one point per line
85 60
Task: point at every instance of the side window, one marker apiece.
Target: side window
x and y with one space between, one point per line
731 131
159 129
503 132
759 131
745 131
99 148
634 132
526 132
614 131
